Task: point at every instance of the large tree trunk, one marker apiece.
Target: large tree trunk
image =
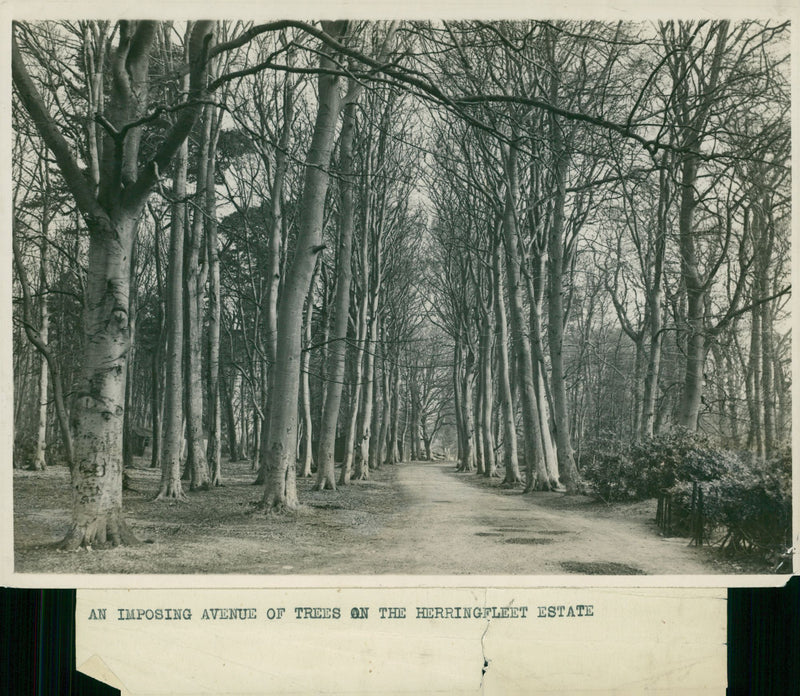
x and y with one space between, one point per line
171 487
280 490
512 472
335 372
100 399
537 477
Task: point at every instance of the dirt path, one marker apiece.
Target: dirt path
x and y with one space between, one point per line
413 518
452 525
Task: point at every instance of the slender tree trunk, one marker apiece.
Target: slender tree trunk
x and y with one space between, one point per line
335 372
556 316
549 447
355 400
535 284
512 472
39 458
537 477
393 431
193 298
273 270
468 421
489 462
127 424
230 418
655 297
478 415
157 386
458 402
280 490
691 398
384 434
756 389
214 452
171 487
306 457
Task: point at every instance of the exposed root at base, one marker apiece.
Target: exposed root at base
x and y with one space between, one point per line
538 486
102 533
513 482
277 508
171 493
326 484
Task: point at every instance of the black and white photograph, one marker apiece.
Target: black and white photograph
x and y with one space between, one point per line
368 297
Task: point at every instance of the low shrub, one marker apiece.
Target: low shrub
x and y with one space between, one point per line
748 507
615 470
746 501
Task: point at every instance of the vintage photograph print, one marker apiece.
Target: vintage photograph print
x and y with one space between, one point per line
414 298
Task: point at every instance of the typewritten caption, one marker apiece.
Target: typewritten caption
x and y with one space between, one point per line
309 613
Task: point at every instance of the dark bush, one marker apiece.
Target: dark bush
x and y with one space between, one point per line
634 471
746 501
748 507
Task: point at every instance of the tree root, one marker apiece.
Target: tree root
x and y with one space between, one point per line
278 508
325 484
172 491
101 533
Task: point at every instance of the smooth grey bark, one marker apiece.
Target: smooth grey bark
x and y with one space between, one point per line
171 486
40 458
487 401
537 476
655 298
353 465
306 454
214 452
510 456
692 111
468 462
194 285
567 470
273 269
157 372
335 368
280 490
111 215
536 283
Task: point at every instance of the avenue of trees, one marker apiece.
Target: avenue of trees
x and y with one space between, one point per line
367 242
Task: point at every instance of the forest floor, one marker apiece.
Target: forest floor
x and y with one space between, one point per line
411 518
